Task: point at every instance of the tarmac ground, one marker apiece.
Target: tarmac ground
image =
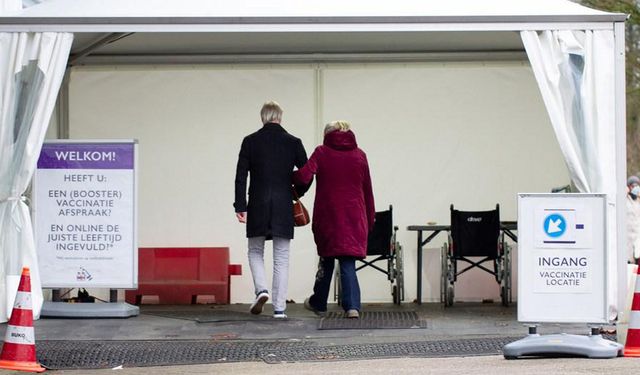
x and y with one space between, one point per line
464 338
489 365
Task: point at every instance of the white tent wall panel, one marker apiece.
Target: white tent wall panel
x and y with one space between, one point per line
189 124
472 134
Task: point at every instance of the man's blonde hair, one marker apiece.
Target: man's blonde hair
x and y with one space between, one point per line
340 125
271 112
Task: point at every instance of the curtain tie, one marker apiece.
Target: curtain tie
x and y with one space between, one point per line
11 199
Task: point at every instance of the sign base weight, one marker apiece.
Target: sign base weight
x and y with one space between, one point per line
88 310
562 345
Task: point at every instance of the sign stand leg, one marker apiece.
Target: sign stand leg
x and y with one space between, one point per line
55 295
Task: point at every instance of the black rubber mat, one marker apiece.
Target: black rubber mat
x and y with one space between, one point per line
209 316
421 349
373 320
109 354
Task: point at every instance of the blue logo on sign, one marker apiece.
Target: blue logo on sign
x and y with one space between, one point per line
555 225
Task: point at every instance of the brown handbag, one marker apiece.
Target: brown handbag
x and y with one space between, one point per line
300 213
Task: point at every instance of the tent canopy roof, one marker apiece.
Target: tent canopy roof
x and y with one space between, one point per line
152 30
91 10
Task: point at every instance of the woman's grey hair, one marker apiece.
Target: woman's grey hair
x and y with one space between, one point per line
271 112
340 125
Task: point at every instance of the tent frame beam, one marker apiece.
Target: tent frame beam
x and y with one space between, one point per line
289 20
621 162
94 46
18 24
397 57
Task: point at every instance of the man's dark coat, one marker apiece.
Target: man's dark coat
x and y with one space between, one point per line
268 156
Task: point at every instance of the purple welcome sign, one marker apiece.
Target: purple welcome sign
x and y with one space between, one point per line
86 156
84 197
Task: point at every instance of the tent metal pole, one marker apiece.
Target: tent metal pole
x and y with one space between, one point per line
319 104
75 58
62 132
319 58
621 161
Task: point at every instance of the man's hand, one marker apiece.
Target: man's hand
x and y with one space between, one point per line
242 217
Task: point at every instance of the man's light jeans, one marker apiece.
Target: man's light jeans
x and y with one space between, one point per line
280 269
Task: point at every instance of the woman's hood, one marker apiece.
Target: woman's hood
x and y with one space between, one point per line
339 140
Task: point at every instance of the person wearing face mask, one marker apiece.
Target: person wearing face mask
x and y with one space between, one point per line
633 219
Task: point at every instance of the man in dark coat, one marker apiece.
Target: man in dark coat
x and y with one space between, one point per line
269 157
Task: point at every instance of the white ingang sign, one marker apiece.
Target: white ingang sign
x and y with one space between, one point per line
562 258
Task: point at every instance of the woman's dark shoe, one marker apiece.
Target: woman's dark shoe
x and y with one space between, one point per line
307 305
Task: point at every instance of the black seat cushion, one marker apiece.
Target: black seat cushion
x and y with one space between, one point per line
475 233
379 240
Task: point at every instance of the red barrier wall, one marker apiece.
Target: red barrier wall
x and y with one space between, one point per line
183 275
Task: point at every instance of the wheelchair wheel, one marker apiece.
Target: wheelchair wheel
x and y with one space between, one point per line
450 295
509 285
391 265
448 277
395 293
444 271
451 277
506 282
337 287
504 297
504 293
498 270
398 287
499 264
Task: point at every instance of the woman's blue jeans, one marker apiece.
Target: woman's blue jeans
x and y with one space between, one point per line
348 280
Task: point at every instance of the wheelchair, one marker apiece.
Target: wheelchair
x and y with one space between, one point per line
383 245
473 235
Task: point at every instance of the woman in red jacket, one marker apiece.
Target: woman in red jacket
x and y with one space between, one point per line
343 213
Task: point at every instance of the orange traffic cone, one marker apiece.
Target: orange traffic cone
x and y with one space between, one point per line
632 346
19 349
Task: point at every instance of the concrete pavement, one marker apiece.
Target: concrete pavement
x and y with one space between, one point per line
490 365
463 321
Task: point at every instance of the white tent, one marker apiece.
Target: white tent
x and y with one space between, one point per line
591 133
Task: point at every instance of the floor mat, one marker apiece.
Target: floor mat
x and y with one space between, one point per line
81 354
373 320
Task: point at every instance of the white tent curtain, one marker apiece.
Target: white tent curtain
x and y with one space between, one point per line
8 6
575 73
32 66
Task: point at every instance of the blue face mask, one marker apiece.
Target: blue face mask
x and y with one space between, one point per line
635 191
